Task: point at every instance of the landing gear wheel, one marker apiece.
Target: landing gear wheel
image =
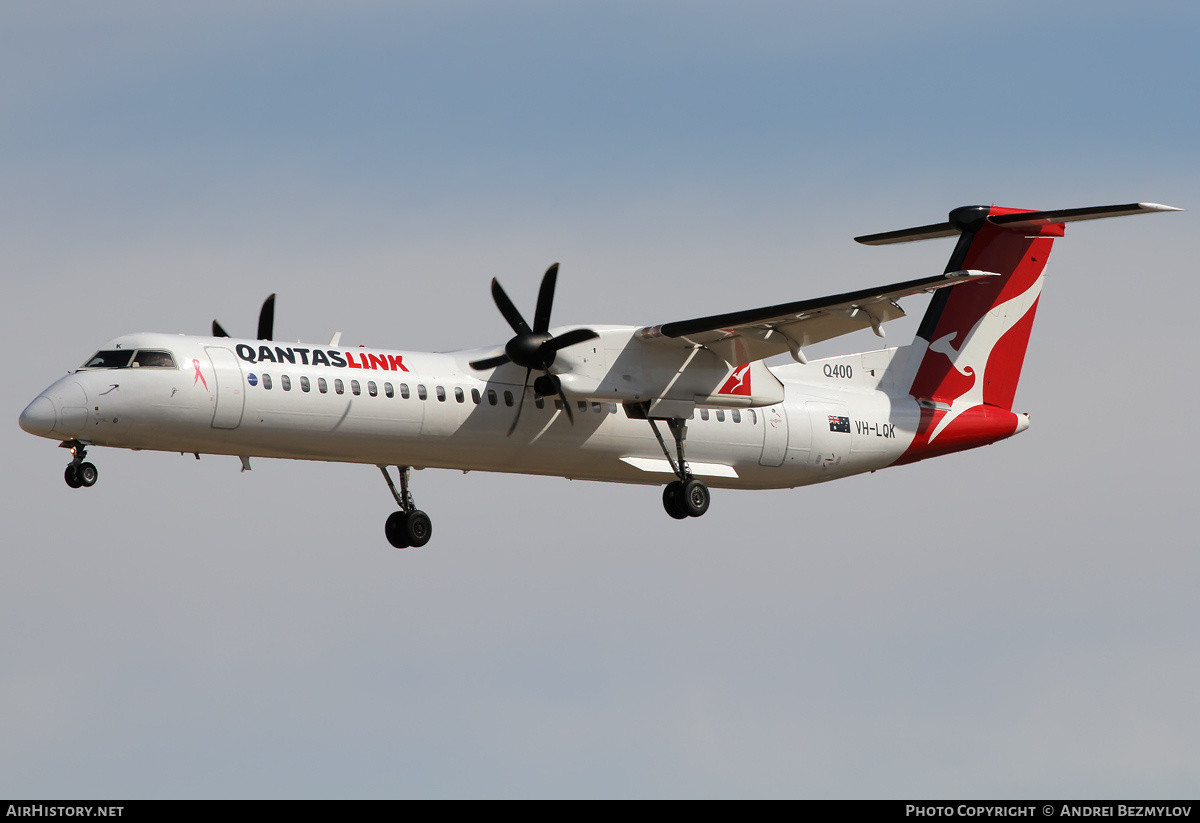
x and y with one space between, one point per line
695 497
396 529
71 475
418 528
673 500
87 475
409 527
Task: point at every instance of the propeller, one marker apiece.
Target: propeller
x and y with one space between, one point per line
534 348
266 321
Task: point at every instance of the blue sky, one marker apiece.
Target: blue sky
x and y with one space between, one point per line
1011 622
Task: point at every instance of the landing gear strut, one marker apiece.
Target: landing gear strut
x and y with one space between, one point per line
79 473
410 526
687 496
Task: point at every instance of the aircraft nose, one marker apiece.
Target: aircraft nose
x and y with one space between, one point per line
39 416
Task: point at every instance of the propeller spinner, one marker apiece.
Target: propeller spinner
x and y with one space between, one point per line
534 348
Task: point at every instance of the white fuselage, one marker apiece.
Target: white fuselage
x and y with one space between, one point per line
421 409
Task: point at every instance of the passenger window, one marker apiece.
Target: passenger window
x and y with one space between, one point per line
154 360
720 415
421 393
458 394
355 388
540 402
582 405
596 408
266 381
737 415
612 408
372 389
441 394
285 383
704 414
339 386
475 396
304 384
322 386
491 397
753 418
404 391
388 391
508 398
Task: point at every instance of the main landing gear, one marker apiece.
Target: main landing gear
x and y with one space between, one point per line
410 526
79 473
687 496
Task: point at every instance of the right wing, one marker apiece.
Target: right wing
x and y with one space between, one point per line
745 336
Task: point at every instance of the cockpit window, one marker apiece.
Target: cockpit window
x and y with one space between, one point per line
153 359
131 358
115 359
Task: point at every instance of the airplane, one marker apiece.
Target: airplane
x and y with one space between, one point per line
602 395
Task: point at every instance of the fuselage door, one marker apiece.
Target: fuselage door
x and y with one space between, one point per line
230 395
775 435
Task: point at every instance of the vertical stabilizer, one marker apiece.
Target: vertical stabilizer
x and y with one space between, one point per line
972 340
976 334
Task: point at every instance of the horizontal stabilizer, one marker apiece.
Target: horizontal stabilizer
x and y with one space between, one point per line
1020 220
1041 218
908 235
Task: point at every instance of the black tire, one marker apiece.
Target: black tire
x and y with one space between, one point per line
87 475
673 500
418 528
71 475
696 498
396 529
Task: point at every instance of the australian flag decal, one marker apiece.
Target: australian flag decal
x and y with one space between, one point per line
839 424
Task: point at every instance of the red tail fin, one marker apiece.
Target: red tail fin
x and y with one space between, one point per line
972 340
976 333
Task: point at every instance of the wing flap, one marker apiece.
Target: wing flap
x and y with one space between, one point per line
754 334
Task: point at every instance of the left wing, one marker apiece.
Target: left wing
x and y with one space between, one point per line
754 334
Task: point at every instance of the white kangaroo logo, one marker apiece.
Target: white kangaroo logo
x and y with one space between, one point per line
942 346
740 376
972 356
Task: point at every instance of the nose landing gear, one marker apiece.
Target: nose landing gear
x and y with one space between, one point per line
410 526
79 473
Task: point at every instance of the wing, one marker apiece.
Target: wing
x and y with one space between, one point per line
754 334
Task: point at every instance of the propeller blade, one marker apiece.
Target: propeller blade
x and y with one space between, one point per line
568 338
490 362
545 301
566 403
266 319
520 404
218 331
507 309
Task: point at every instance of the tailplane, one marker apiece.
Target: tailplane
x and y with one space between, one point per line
971 343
